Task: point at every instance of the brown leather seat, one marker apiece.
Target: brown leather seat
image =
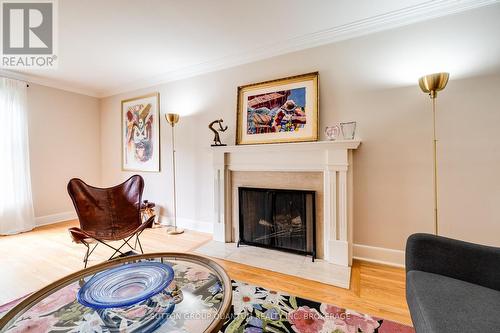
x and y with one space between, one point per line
108 214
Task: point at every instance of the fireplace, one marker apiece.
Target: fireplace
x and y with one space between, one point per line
286 165
279 219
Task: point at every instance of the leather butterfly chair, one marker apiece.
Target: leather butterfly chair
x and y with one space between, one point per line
108 214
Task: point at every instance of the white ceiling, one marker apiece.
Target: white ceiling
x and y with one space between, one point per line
112 46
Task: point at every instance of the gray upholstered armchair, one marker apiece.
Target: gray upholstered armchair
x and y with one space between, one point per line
452 286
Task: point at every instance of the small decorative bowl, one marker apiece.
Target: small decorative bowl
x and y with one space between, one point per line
332 132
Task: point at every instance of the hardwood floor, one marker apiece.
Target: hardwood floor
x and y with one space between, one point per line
31 260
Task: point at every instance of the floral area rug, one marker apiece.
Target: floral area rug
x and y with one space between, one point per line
256 310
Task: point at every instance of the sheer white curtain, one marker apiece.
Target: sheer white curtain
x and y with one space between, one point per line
16 203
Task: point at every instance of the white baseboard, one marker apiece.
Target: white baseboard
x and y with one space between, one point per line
379 255
201 226
373 254
55 218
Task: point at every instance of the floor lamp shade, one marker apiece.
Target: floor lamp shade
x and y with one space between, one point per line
431 84
172 119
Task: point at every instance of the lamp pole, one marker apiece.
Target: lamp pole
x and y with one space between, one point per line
436 222
431 84
173 119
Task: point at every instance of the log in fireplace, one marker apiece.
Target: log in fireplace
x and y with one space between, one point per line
279 219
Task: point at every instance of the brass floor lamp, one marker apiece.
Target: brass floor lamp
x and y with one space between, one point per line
431 84
172 119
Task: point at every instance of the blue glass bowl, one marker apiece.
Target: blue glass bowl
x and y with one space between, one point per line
125 285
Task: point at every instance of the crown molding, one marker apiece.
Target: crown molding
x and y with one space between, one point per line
412 14
398 18
52 83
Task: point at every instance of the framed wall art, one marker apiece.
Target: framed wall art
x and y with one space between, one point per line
140 120
283 110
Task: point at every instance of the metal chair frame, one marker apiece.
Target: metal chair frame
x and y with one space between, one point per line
117 250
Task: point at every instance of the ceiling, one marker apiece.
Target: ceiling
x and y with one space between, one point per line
112 46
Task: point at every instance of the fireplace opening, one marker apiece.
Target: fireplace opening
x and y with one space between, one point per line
279 219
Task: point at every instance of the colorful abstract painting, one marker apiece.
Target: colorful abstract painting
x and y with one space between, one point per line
281 111
140 133
284 110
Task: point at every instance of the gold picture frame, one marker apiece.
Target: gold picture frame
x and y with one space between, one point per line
140 131
278 111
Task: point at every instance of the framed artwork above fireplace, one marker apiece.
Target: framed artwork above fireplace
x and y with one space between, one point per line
283 110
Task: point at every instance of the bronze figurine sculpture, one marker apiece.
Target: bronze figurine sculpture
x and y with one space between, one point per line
216 132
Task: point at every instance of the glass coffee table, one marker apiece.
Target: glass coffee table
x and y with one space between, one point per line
197 300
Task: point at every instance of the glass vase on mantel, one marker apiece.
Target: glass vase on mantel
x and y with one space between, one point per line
348 130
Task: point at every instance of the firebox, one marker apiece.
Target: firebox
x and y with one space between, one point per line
279 219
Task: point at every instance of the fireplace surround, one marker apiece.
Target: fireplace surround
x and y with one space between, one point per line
331 159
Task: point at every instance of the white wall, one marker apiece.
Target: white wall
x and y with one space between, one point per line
64 135
393 167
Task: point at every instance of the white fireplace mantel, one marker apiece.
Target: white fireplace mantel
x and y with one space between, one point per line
332 158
